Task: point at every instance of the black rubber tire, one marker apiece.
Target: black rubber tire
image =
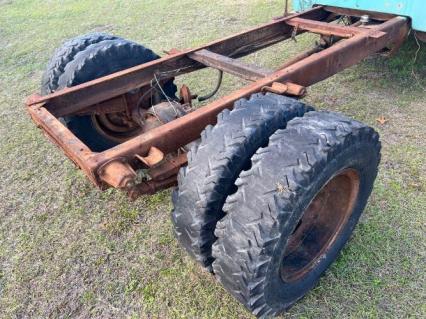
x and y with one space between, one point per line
215 163
252 237
65 54
97 60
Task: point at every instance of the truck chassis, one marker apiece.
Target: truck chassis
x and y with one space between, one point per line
342 47
270 190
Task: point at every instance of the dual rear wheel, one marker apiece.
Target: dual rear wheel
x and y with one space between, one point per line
271 195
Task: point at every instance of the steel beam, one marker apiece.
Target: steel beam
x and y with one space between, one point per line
324 28
229 65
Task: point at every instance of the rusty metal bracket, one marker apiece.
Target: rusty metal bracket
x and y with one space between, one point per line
117 173
324 28
286 88
186 96
168 168
154 157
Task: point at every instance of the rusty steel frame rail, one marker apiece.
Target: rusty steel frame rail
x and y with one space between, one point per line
75 99
112 168
324 28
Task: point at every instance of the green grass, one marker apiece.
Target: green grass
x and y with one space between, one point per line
68 250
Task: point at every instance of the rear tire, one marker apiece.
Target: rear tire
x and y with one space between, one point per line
99 55
294 210
215 163
64 55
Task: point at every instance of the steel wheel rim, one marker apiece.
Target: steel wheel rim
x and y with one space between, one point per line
320 225
109 127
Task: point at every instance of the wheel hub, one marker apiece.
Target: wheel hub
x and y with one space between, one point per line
115 126
320 225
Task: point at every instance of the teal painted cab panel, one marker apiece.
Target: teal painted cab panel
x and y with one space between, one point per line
415 9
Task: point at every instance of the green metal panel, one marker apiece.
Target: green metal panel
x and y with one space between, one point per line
415 9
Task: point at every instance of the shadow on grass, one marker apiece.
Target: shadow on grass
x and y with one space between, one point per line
404 72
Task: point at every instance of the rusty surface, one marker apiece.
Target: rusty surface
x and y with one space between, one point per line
315 68
117 173
185 95
60 135
287 88
324 28
325 41
117 104
170 137
321 223
77 98
118 127
154 157
159 114
168 168
33 99
229 65
396 46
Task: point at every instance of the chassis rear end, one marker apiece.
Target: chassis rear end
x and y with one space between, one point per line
116 167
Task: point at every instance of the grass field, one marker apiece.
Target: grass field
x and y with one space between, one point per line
70 251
